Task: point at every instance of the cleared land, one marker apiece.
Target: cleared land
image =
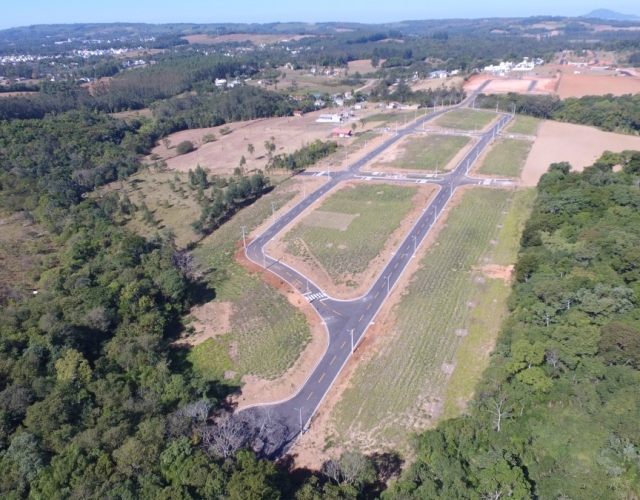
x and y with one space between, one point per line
348 231
579 145
266 333
401 388
465 119
506 157
289 133
522 124
24 246
572 85
545 83
436 83
363 66
424 153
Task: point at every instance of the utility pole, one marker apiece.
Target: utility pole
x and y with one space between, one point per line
304 186
352 341
414 245
388 279
244 242
273 211
307 285
300 411
436 168
264 259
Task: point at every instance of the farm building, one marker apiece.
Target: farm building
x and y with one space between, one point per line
342 132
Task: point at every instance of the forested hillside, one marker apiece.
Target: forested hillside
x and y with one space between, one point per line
557 413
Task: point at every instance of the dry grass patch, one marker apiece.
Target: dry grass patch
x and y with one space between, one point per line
506 158
579 145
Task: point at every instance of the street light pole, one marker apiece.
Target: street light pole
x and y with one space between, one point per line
300 411
244 242
273 211
388 279
352 341
414 245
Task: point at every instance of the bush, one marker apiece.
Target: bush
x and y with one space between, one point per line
185 147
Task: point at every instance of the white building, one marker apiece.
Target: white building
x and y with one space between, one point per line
329 119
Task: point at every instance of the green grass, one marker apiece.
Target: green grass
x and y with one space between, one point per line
381 208
390 118
211 358
465 119
428 153
507 157
522 124
403 386
267 333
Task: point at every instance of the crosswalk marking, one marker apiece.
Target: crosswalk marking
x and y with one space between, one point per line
314 296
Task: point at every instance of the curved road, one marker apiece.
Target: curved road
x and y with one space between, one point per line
347 321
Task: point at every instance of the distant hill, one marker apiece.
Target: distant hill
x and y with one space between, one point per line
612 15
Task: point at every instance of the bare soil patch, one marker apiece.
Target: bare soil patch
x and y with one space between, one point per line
500 85
494 271
579 85
313 269
211 319
309 451
579 145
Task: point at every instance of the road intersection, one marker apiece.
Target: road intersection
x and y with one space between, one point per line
346 321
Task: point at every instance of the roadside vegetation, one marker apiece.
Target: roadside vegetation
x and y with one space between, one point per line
506 157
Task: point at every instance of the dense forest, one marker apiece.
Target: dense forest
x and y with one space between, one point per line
557 413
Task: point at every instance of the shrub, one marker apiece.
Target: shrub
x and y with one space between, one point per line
185 147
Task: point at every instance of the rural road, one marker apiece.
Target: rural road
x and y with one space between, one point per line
347 321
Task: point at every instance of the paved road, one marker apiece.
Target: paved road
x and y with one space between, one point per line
347 321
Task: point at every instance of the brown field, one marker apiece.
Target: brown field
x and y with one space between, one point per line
572 85
241 37
289 133
500 85
363 66
577 144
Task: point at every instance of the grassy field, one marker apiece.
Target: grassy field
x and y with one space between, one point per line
390 118
267 332
428 152
507 157
446 322
465 119
488 315
347 250
526 125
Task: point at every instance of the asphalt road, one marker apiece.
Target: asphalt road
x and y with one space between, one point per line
347 321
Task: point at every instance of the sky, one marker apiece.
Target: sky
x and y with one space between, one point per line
17 13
